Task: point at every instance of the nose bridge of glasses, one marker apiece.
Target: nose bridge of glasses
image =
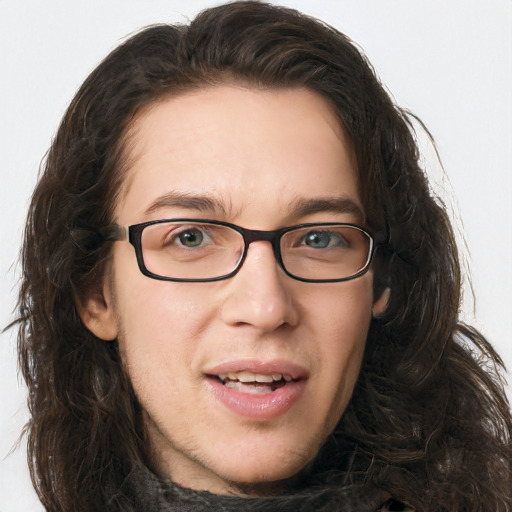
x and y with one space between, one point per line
256 235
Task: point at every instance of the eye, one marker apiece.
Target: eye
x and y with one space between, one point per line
323 239
191 237
187 236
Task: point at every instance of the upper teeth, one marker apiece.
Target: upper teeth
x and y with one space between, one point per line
245 376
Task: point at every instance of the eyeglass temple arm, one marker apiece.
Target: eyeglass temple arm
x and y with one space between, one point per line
115 233
87 238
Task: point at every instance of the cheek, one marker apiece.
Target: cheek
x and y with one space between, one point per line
160 326
152 311
342 320
342 313
158 342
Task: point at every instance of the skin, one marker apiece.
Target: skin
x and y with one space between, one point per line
256 153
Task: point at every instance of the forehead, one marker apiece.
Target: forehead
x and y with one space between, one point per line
241 146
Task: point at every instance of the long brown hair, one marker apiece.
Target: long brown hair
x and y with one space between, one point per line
428 422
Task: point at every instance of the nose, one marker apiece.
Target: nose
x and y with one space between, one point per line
258 294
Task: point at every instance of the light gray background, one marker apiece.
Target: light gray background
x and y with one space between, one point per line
448 61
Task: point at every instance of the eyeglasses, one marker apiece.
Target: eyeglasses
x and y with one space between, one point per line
198 250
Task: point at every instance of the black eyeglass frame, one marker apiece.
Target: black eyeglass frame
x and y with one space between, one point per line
133 234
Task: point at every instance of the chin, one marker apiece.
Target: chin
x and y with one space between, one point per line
265 471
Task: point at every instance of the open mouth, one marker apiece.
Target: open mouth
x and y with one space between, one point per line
255 389
254 383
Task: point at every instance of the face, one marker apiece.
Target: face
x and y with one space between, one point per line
257 157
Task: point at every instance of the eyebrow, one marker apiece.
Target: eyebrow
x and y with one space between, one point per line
201 202
300 207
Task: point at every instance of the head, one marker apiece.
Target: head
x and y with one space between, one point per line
260 117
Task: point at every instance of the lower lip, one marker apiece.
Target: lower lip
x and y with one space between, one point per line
263 406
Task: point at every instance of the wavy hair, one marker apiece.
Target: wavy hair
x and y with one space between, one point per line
428 421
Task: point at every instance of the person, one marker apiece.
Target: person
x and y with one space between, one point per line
239 293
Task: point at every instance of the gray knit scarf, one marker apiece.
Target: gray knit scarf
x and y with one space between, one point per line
147 493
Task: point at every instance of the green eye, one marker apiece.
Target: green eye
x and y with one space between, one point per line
191 238
318 240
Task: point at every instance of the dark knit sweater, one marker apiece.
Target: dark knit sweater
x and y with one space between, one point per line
147 493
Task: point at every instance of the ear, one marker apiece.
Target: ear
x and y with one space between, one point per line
97 312
381 303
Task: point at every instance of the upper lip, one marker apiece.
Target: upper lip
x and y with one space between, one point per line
294 370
